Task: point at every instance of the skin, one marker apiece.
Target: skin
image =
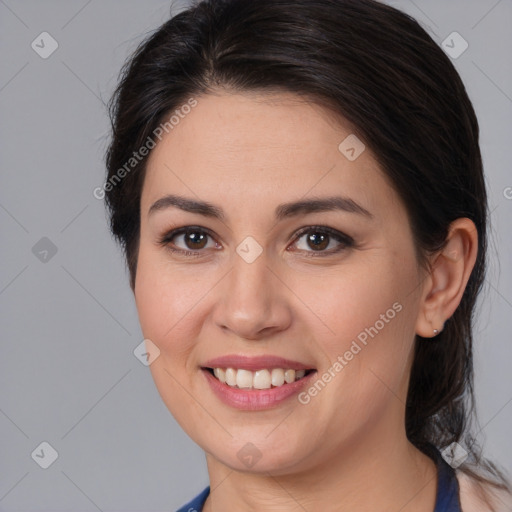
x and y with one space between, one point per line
248 153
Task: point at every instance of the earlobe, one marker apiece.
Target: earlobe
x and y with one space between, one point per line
450 271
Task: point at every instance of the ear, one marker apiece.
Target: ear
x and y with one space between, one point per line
445 284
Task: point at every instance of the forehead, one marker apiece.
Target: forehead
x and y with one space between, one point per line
247 149
256 122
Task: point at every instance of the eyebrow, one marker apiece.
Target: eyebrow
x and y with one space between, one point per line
283 211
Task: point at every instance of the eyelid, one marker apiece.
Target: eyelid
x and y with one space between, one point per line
324 229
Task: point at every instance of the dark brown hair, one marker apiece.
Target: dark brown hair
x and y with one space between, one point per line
374 66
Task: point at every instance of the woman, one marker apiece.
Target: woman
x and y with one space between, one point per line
298 189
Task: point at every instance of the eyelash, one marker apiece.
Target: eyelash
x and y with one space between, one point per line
345 241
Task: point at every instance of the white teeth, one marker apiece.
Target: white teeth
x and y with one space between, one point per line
230 377
289 376
261 379
220 374
244 379
277 377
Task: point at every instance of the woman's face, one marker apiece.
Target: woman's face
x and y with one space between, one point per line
333 290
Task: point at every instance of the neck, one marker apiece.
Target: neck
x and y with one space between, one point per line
365 476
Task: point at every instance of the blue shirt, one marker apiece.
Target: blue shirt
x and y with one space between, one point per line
447 498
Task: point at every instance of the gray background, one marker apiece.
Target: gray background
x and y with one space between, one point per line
68 374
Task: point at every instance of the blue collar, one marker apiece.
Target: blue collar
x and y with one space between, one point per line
447 499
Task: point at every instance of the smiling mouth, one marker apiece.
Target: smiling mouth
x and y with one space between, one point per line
259 379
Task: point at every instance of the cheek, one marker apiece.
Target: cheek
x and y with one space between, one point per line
368 318
165 302
162 308
364 299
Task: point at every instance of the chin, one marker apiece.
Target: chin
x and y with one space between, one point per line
259 454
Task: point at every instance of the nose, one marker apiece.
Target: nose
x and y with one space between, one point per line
253 300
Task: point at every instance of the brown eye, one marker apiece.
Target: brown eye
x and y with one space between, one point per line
195 239
189 240
318 239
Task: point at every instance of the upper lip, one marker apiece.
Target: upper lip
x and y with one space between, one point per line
255 363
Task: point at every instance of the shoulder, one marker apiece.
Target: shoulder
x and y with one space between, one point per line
473 494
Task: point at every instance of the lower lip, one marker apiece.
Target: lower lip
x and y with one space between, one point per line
255 399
